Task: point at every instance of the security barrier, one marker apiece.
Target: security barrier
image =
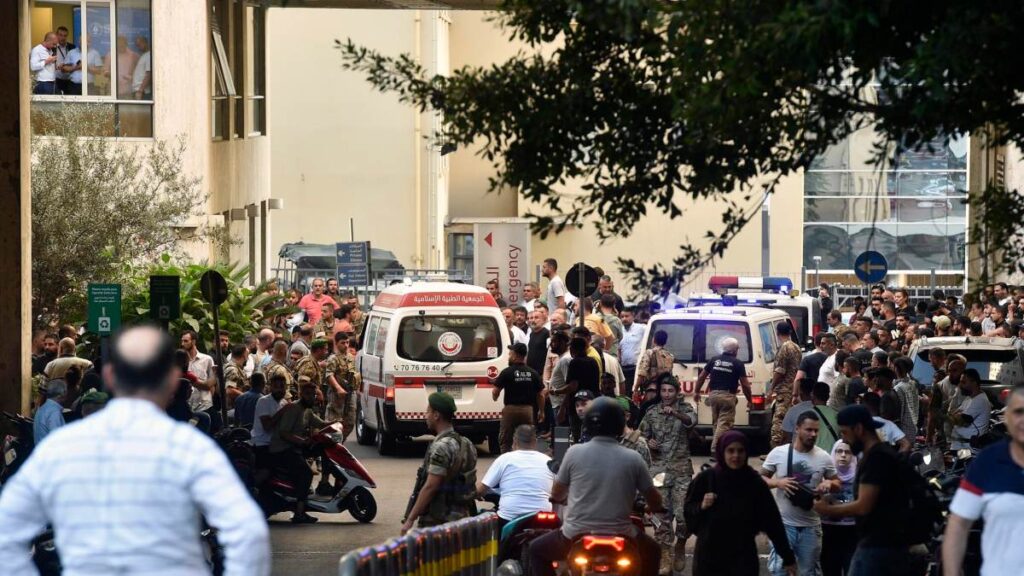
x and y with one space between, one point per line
467 547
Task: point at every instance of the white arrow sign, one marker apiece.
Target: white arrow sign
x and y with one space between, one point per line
868 267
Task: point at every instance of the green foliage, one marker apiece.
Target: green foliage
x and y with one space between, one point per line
99 206
653 104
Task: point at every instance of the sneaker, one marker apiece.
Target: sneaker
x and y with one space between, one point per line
304 519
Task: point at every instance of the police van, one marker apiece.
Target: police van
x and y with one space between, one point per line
695 335
426 337
770 292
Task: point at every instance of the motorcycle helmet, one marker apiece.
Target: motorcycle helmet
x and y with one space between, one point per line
604 417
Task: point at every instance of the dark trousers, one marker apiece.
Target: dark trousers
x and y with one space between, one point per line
72 89
630 373
880 561
298 472
64 86
554 547
45 88
837 546
512 416
216 422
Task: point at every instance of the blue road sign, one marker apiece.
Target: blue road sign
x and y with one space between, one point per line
353 252
870 267
353 261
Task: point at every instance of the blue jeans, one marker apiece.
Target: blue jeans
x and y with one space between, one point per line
806 544
880 561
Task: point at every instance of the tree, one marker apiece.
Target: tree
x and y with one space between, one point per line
651 101
100 206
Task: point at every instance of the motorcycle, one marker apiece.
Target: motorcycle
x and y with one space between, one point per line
605 554
17 447
349 482
943 472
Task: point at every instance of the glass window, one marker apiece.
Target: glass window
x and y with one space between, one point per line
449 338
768 346
698 340
370 332
134 26
461 250
717 332
682 336
382 337
256 92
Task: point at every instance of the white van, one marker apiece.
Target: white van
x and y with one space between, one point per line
695 335
424 337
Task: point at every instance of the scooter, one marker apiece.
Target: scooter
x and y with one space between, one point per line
349 482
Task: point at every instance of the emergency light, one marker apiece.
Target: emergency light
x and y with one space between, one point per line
769 283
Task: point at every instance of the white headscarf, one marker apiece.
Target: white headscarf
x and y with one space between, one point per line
846 473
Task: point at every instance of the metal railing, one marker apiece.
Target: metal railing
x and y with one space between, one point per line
467 547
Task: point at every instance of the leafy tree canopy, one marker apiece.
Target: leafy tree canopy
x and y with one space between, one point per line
653 102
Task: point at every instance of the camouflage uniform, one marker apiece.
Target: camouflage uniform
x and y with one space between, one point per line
321 327
308 369
655 361
671 456
234 377
787 363
453 457
342 408
635 441
273 368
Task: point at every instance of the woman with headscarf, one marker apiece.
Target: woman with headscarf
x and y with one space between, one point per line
839 535
726 507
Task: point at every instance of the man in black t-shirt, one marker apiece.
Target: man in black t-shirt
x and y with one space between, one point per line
881 500
726 374
524 395
537 347
810 366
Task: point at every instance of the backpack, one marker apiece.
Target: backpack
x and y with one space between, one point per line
924 512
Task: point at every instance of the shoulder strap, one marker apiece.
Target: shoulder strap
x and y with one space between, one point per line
789 461
824 420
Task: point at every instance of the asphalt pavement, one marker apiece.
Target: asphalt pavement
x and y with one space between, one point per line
314 550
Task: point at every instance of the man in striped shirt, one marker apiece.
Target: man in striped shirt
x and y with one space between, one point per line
125 488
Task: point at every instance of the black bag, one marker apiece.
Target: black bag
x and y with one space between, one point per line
924 512
803 498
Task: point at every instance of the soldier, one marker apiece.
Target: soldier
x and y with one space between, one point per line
326 326
666 428
341 379
235 382
787 362
634 440
446 483
310 368
655 361
277 366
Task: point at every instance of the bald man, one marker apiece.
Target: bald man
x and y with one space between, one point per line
65 359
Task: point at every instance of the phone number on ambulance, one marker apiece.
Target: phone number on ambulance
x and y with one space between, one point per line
417 368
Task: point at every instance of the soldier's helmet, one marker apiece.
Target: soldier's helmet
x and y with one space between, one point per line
605 417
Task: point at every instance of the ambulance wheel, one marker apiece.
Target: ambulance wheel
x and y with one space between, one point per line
493 446
386 441
364 435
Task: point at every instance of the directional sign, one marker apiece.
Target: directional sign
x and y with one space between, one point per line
870 267
572 280
353 266
164 298
104 308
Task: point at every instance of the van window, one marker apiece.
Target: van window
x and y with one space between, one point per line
449 338
700 340
801 322
768 344
370 332
382 337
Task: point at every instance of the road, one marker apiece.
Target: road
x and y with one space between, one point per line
314 550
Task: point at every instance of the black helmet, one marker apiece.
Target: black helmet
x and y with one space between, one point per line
604 417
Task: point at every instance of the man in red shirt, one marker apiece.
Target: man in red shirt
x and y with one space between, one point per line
311 303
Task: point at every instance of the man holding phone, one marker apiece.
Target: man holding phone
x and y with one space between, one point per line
43 62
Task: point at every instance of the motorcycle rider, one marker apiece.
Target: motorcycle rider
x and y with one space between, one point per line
666 428
521 477
600 480
288 444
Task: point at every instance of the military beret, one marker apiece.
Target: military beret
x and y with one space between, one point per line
317 344
94 397
443 403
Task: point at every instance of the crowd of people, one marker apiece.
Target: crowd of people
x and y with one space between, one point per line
59 67
828 494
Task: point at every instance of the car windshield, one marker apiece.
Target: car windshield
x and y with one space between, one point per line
700 340
1001 366
449 338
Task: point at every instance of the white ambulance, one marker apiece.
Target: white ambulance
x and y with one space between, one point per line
771 292
695 335
424 337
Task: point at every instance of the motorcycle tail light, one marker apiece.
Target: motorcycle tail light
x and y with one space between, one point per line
580 560
757 402
1004 395
547 517
616 542
624 563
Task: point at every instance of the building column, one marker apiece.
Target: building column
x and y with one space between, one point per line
251 211
16 197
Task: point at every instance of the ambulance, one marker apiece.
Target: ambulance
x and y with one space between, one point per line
695 336
770 292
426 337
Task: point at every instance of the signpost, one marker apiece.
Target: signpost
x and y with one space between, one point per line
501 252
164 299
353 264
870 267
581 282
215 291
104 308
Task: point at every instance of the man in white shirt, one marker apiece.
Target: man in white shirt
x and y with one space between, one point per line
142 75
973 417
530 293
63 51
124 489
518 334
263 421
521 477
629 347
556 288
201 365
43 62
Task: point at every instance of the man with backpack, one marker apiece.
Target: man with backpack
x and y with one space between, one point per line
890 506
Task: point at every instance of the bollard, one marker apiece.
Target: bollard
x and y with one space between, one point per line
412 559
379 561
349 564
